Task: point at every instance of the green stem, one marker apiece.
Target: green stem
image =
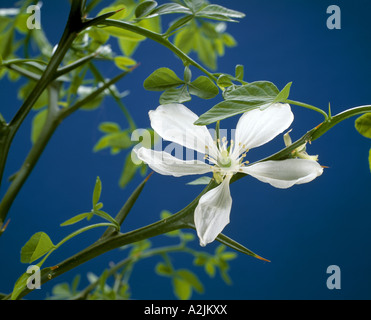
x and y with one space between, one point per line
308 106
74 234
314 134
159 39
74 25
144 255
123 108
54 118
20 177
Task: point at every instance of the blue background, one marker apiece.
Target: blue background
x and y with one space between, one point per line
302 230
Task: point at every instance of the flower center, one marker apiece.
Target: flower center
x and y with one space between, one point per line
224 160
227 161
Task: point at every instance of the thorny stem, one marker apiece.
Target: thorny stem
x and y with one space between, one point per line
159 39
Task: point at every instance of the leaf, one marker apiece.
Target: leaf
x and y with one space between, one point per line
130 168
162 79
363 125
200 181
178 23
75 219
182 288
163 270
124 62
121 12
19 286
145 8
97 191
224 81
284 94
203 88
107 217
191 278
369 159
109 127
185 40
38 245
260 94
175 95
38 123
239 72
117 141
217 12
169 8
210 268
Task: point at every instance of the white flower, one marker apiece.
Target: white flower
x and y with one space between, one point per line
175 122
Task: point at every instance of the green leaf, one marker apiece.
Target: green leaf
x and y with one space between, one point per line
19 286
117 141
121 12
369 159
38 123
182 288
97 191
284 94
109 127
162 79
107 217
178 23
175 95
169 8
203 88
185 39
363 125
210 268
145 8
224 81
260 94
38 245
124 62
239 72
93 103
163 269
217 12
200 181
130 168
206 52
76 219
191 278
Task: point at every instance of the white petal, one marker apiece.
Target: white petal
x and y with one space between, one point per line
212 212
164 163
174 122
257 127
285 173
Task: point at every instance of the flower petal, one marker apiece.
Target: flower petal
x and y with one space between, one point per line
212 212
164 163
285 173
257 127
174 122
